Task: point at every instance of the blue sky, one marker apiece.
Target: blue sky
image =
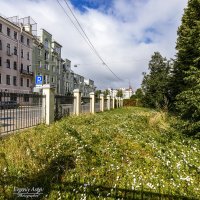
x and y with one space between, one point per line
93 4
125 33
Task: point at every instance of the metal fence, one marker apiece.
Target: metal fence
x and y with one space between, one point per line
64 106
111 103
85 104
97 105
19 111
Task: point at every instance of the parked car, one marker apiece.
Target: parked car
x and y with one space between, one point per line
8 104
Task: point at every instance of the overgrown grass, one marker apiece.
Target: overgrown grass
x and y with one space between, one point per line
131 148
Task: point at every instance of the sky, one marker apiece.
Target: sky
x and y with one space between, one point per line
125 33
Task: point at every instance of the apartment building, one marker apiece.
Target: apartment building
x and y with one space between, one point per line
68 78
88 87
47 60
16 38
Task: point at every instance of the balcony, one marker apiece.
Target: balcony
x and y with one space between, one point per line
26 72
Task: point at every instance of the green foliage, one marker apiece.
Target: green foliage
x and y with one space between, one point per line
130 148
106 92
119 93
185 84
138 97
97 93
188 104
130 102
188 45
155 85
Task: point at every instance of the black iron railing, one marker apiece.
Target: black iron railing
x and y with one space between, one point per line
85 104
26 72
64 106
97 105
19 111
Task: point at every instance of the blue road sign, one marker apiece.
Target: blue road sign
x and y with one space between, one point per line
38 80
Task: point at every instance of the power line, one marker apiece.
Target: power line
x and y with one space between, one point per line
86 38
73 23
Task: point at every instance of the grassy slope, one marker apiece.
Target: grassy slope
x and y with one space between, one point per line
123 148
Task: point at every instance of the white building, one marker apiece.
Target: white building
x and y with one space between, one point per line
127 93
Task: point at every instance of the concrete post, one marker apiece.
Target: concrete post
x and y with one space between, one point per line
92 102
48 109
77 101
108 102
122 102
101 102
113 106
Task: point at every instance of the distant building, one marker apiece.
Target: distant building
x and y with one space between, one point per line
16 41
127 93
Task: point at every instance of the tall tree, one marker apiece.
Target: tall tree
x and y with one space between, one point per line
155 84
188 46
186 70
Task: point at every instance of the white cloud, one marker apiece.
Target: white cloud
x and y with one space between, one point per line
119 35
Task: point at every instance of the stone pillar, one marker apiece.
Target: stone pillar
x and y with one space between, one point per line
48 108
108 102
122 102
101 102
92 102
113 106
77 101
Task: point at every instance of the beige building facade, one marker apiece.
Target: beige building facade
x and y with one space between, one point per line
16 75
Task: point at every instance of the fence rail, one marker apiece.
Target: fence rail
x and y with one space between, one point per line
19 111
64 106
85 104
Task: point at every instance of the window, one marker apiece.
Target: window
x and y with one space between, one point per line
22 67
28 68
8 63
22 53
15 65
0 45
22 39
15 35
8 79
8 49
46 43
8 32
46 66
27 82
0 27
28 42
14 80
27 55
46 55
21 82
0 62
15 51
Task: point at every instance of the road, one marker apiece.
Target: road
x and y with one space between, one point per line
22 117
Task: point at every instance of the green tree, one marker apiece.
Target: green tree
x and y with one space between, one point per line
155 85
185 84
106 92
188 47
119 93
138 96
97 93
